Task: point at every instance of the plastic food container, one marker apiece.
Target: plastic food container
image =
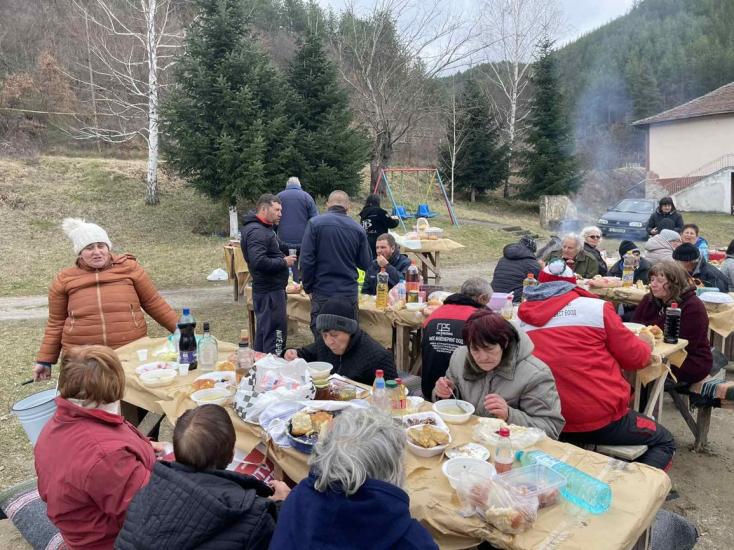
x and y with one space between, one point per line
434 233
158 377
446 409
455 467
319 370
535 481
427 452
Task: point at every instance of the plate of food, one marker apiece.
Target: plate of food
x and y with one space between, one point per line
157 377
304 428
426 440
155 365
487 430
418 419
468 450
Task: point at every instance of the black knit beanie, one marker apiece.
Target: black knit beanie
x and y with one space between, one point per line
686 253
337 314
626 246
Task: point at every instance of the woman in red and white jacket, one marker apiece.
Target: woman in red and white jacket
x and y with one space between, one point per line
584 342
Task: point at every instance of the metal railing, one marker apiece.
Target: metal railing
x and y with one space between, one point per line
721 163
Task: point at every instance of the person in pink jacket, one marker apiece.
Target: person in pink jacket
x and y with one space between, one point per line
89 460
585 344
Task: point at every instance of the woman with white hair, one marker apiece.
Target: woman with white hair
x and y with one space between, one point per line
572 252
352 497
592 239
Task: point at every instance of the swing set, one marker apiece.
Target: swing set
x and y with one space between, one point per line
396 190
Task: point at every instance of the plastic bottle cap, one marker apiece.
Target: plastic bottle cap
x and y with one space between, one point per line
206 326
504 432
379 373
382 270
531 276
674 304
392 384
398 380
186 311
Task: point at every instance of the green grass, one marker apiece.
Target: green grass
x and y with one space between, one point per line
718 229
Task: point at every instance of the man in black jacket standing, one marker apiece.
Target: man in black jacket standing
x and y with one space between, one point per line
333 247
268 263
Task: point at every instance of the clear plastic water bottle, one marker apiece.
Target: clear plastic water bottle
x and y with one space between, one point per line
503 456
581 489
402 292
380 398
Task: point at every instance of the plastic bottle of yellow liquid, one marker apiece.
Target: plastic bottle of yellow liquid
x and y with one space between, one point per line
628 269
381 300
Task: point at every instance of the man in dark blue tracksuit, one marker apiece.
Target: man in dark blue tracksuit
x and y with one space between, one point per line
333 247
298 208
389 257
268 261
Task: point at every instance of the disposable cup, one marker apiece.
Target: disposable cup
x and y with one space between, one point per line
183 369
142 355
292 251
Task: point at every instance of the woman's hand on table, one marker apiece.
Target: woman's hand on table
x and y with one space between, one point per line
280 490
444 387
496 406
290 355
41 372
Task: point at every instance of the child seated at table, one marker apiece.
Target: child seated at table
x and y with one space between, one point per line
194 502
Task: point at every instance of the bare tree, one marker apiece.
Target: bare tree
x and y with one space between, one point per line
512 30
387 58
456 134
128 50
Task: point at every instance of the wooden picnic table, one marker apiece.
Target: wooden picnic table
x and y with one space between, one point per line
236 267
428 254
392 329
638 492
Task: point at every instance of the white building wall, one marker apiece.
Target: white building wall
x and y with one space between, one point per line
712 194
679 147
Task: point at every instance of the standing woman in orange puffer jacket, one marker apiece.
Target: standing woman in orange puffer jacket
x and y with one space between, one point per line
98 301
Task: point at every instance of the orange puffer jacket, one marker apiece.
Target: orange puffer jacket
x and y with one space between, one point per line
87 306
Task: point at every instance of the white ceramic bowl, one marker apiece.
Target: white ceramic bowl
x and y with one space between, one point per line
319 370
414 403
158 377
211 396
454 467
445 404
423 451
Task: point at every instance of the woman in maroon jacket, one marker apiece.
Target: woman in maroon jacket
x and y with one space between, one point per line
668 284
90 461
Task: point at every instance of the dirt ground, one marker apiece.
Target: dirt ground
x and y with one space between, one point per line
703 481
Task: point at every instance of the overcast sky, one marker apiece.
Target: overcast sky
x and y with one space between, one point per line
582 15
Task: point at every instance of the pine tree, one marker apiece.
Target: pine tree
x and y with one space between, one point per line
481 160
329 151
225 120
549 166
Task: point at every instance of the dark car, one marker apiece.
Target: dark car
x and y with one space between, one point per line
628 219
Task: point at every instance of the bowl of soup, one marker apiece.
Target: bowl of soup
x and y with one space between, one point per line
211 396
454 411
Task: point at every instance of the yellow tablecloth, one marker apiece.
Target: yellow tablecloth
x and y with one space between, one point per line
240 265
375 322
638 492
437 245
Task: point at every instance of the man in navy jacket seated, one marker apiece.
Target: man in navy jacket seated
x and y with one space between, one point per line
389 257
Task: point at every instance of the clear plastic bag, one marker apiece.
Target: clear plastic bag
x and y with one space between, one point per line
497 503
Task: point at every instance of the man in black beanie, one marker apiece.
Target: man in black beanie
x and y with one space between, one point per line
688 256
643 265
352 352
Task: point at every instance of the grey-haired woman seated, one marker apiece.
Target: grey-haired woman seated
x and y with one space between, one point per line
353 497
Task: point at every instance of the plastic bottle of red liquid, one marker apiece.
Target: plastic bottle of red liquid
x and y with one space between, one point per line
671 328
504 456
412 282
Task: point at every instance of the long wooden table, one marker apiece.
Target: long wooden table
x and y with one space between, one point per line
390 328
428 254
236 267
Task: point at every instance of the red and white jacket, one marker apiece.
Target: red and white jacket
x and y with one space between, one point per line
584 342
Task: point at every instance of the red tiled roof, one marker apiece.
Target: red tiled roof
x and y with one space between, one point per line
718 102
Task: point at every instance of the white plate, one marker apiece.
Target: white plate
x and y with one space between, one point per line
716 298
156 365
219 376
158 377
468 450
437 420
634 327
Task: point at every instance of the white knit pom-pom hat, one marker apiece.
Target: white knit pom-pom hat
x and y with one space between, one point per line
82 233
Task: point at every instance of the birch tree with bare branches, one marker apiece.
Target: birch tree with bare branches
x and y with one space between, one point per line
456 134
512 30
130 46
387 58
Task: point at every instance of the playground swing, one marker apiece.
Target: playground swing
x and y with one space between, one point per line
396 191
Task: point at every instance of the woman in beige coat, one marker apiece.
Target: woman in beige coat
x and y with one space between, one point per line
496 372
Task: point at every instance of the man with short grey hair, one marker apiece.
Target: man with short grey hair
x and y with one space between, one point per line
298 208
442 330
333 247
